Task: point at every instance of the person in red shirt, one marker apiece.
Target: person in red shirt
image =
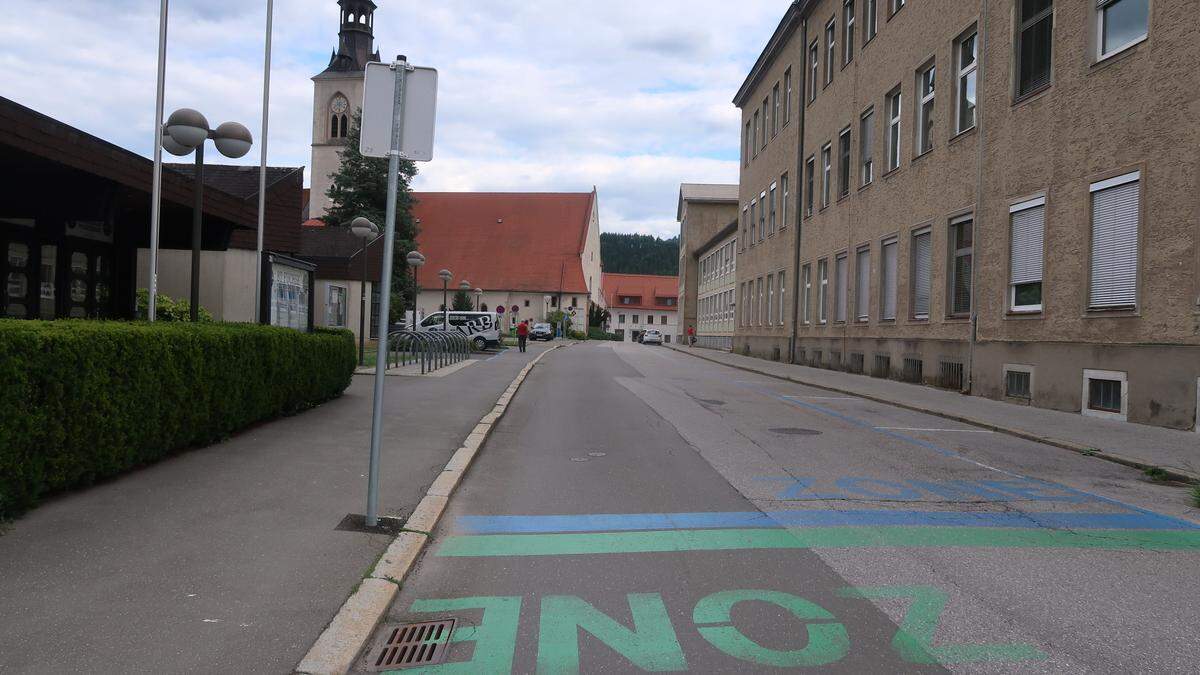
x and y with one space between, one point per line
691 336
522 334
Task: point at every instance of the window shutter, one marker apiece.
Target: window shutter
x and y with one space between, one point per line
1115 246
1028 229
888 280
922 271
862 295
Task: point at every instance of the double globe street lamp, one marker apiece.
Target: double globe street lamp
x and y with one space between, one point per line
184 133
445 276
414 260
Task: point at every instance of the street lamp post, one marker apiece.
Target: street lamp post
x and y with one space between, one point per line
445 276
367 231
478 299
414 260
464 286
185 132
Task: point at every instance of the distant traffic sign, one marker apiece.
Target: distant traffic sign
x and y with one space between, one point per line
499 309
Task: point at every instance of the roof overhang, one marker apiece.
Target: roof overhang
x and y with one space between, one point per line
787 25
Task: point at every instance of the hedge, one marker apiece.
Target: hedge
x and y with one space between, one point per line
84 400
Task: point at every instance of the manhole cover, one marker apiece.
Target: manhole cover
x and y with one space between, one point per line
579 459
795 431
411 644
597 454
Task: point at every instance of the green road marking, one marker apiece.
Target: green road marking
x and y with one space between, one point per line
827 642
652 644
914 641
821 537
495 637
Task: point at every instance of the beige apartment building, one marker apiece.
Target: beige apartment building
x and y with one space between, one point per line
704 209
999 197
716 289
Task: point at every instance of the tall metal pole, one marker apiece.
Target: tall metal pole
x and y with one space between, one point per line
156 182
413 325
197 214
400 67
445 308
362 310
262 169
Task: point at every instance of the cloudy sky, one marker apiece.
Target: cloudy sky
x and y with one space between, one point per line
632 96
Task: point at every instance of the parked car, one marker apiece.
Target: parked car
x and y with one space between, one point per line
541 331
481 328
652 336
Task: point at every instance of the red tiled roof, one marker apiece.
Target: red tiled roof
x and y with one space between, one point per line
647 287
512 241
313 222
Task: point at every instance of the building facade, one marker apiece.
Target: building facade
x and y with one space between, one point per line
768 219
704 209
1000 198
338 95
639 302
716 304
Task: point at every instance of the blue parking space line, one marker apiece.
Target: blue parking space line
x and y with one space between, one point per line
814 518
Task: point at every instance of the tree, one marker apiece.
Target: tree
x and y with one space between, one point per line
461 302
639 254
359 188
597 315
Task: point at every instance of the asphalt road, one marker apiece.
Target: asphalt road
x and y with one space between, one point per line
226 559
640 509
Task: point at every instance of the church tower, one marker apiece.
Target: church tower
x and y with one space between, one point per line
338 93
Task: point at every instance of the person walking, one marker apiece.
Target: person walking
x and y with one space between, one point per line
691 336
522 335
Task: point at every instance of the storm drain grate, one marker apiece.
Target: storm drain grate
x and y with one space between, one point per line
412 644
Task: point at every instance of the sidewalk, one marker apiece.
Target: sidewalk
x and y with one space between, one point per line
1136 445
226 559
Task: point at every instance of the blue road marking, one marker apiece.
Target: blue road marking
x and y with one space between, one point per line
814 518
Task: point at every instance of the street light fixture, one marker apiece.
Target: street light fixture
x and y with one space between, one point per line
367 231
464 285
445 276
414 260
185 132
478 299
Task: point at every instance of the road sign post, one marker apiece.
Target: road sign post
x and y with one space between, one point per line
389 105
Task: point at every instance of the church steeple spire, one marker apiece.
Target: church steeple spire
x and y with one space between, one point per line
355 37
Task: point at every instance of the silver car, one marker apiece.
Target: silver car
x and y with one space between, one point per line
652 337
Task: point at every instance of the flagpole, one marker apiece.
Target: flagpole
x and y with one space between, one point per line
156 182
262 168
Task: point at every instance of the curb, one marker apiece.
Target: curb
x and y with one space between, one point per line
1173 474
339 645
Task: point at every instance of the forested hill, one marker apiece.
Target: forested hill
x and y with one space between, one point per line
639 254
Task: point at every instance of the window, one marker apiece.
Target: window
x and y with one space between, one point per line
754 134
1018 381
1034 51
806 291
847 31
637 318
830 49
866 139
1122 23
967 50
620 318
771 221
663 319
787 96
810 185
1028 225
961 247
748 146
896 5
770 313
922 269
335 307
870 19
1115 215
1105 394
840 281
742 297
775 110
844 162
814 57
337 119
650 319
893 133
862 284
784 201
822 290
753 221
826 174
625 300
762 215
759 309
766 120
745 225
887 280
925 86
782 293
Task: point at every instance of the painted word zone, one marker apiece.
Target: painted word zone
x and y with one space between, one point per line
652 643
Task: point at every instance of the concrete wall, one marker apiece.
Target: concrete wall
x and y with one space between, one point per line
227 280
353 303
591 259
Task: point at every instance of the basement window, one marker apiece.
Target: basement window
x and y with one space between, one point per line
1018 382
1105 394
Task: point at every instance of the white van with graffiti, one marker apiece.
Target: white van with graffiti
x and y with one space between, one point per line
481 328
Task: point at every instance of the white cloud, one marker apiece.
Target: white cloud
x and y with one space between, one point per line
630 96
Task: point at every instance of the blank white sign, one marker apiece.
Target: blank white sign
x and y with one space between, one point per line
420 109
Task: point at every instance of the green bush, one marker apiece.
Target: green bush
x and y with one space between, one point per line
168 309
599 334
85 400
